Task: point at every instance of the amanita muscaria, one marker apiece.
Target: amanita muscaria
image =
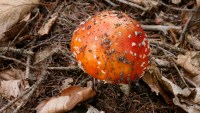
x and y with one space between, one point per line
111 46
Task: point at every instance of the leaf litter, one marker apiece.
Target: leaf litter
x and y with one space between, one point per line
53 25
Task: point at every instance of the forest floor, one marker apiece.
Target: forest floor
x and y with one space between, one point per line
53 49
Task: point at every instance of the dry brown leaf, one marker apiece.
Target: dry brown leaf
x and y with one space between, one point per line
198 3
152 78
44 54
194 41
12 88
12 83
66 83
66 101
46 28
12 11
11 74
187 99
190 62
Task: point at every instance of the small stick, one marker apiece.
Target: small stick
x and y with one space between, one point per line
111 3
27 73
14 50
133 5
181 39
180 74
170 47
162 28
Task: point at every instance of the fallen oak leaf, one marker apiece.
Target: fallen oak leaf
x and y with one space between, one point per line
13 11
188 98
12 88
66 101
190 62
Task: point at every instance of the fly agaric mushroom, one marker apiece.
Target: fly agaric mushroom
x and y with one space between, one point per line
111 46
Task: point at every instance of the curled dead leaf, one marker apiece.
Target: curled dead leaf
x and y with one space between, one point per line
11 74
66 101
190 62
188 98
12 11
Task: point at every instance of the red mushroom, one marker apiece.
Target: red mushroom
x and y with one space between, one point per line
111 46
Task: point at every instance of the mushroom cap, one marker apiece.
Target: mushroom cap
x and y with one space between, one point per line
111 46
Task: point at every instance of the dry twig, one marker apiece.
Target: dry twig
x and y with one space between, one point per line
14 50
111 3
170 47
181 39
28 61
132 5
162 28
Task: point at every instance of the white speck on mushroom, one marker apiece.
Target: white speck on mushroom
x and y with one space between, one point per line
95 56
98 62
126 51
101 17
129 36
77 51
135 54
120 33
94 46
131 52
74 54
76 38
140 56
137 33
98 67
79 39
148 46
76 47
80 65
139 44
142 65
96 38
96 22
145 50
137 25
82 23
133 44
144 56
143 43
103 72
88 33
92 19
116 43
83 28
